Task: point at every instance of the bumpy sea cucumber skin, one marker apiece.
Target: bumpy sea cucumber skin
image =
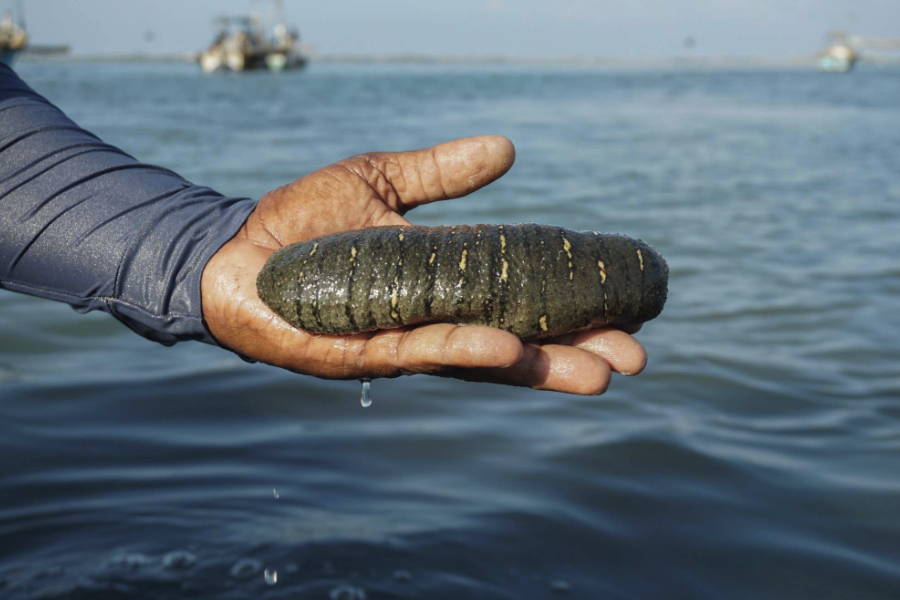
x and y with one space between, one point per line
534 281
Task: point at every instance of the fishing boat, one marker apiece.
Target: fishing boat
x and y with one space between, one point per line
838 57
244 43
846 49
13 39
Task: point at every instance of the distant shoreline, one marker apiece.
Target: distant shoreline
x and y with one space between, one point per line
448 60
424 59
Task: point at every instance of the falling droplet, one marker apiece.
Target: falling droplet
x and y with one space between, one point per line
275 493
366 399
271 576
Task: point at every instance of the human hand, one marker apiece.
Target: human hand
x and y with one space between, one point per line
373 190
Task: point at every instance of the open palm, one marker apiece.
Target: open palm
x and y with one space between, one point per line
374 190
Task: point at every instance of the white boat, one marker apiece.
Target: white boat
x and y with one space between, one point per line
839 57
242 44
846 49
13 39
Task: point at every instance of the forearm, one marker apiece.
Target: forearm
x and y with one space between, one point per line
84 223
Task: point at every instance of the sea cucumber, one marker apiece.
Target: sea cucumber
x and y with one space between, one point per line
534 281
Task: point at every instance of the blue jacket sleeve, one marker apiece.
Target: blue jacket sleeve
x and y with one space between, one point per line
84 223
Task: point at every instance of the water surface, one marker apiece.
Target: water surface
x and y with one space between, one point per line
757 457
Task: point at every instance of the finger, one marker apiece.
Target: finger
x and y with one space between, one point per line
549 367
433 347
450 170
623 353
424 349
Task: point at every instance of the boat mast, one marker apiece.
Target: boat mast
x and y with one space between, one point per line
19 11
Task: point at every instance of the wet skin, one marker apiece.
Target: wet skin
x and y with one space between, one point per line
535 281
374 190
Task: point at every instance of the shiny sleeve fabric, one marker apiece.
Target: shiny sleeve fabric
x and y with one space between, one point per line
84 223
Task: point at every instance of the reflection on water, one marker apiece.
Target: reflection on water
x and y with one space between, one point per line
756 457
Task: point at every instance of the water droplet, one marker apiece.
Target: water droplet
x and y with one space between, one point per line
271 576
402 576
275 493
561 587
179 559
246 567
366 398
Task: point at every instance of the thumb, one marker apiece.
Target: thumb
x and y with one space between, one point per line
448 170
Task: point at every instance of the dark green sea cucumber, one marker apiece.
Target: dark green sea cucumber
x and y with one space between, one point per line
534 281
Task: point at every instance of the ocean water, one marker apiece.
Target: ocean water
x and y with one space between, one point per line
758 456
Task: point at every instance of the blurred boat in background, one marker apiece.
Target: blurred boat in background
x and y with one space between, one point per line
845 50
242 43
13 38
838 57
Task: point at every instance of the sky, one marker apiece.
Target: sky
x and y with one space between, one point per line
513 28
